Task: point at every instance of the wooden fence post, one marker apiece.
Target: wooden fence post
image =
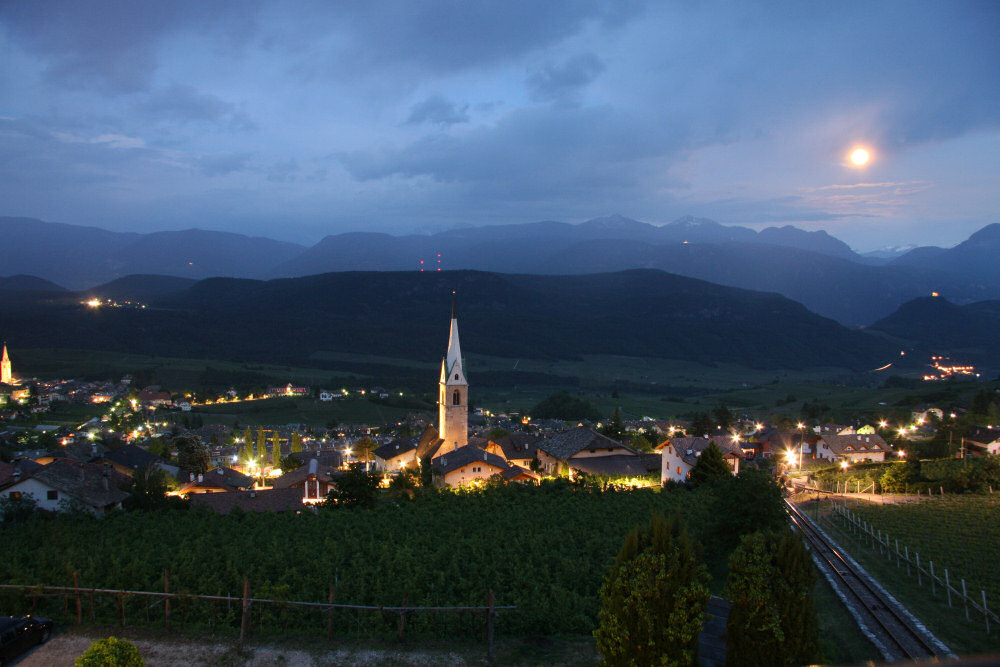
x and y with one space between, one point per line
986 612
121 611
907 548
166 599
245 620
402 618
933 592
947 585
329 618
79 607
919 579
489 629
965 599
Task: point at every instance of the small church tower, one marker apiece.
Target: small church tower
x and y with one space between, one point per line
6 376
453 401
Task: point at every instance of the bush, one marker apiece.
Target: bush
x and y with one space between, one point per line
653 600
110 652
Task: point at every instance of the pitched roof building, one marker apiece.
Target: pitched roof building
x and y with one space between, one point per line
95 487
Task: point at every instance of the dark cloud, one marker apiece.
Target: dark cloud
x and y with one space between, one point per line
112 44
562 82
439 111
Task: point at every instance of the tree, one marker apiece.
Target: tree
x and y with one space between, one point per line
711 466
772 620
723 416
426 473
246 453
563 405
355 488
17 509
149 489
613 429
653 599
261 440
701 424
296 442
110 652
289 463
640 442
363 449
276 450
192 455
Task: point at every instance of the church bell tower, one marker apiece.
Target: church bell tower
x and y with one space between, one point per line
453 398
6 375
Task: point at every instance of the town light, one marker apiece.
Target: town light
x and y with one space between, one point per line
883 424
843 465
790 457
902 454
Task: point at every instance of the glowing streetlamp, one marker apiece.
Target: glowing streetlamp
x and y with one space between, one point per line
801 442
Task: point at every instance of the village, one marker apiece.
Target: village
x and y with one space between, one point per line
93 465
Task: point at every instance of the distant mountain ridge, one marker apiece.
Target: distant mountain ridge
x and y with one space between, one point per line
935 326
813 268
404 314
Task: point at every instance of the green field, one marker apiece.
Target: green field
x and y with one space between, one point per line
958 533
308 411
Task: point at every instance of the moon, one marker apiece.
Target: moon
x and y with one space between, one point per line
860 157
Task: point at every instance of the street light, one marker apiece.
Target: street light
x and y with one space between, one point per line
801 442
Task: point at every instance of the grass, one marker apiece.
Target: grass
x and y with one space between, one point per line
948 624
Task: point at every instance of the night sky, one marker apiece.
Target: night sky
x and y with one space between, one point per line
295 120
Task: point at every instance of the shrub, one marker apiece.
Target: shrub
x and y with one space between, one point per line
110 652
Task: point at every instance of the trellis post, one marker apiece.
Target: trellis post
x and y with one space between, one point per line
947 585
489 628
166 600
965 599
329 617
245 620
932 579
79 606
986 612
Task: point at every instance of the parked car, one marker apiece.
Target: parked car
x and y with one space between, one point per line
20 633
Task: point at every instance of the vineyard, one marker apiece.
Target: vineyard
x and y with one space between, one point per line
543 550
958 533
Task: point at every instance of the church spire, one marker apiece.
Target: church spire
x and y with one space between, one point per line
453 401
6 375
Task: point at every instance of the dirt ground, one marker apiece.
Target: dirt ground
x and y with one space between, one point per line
62 649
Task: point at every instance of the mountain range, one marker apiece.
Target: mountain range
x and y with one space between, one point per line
813 268
636 313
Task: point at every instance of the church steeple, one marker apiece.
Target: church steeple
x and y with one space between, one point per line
6 376
453 401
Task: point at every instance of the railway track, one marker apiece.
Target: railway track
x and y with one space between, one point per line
896 634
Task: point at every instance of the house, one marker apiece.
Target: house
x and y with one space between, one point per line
558 452
130 458
64 482
517 449
855 447
287 390
519 474
312 481
466 465
396 455
153 398
219 480
679 455
266 500
983 441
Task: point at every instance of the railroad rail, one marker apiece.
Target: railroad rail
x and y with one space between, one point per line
894 631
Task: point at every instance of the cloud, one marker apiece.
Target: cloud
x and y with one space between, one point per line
183 103
223 164
439 111
563 82
112 44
